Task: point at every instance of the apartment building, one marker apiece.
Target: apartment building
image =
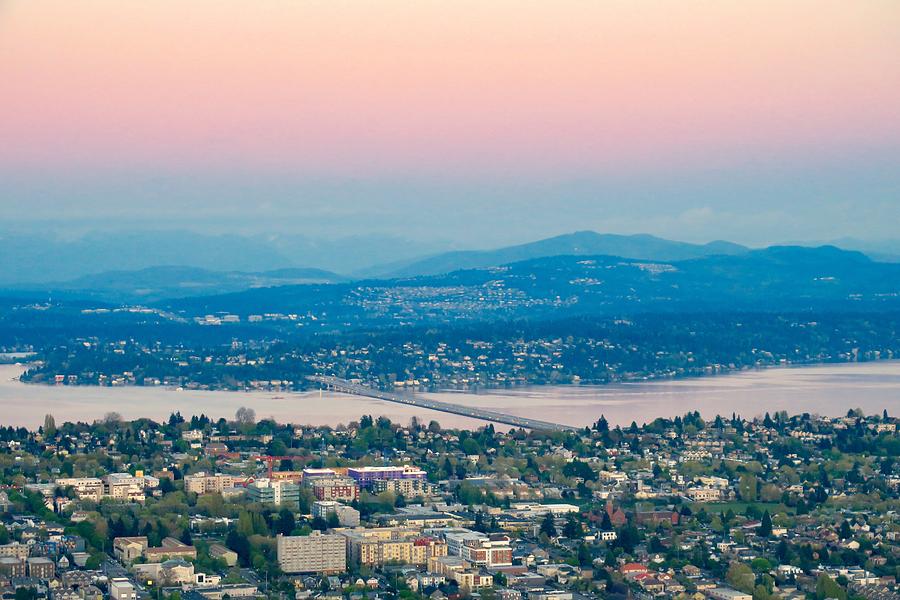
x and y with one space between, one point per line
366 477
280 493
479 549
704 494
41 567
86 488
126 487
375 547
11 566
457 569
15 550
492 551
341 489
347 516
314 553
408 488
203 483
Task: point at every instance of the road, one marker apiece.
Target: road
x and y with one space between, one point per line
348 387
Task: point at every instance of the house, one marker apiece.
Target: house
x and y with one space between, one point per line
690 571
632 570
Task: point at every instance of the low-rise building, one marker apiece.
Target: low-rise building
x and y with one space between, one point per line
724 593
228 556
347 516
704 494
86 488
129 549
122 589
203 483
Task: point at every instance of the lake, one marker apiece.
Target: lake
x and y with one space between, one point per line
822 389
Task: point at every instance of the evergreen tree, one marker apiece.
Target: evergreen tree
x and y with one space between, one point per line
548 527
846 532
765 526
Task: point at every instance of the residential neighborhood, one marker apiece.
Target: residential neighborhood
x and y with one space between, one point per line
782 507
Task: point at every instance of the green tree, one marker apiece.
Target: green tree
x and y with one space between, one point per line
572 528
49 426
846 532
585 558
286 522
747 488
741 577
26 593
826 587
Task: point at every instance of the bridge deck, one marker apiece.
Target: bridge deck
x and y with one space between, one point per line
342 385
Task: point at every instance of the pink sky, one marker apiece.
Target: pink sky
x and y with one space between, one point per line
417 87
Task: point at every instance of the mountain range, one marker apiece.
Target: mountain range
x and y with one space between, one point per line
580 243
774 279
204 276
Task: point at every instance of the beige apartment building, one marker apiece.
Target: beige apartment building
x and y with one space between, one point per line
378 546
704 494
15 550
126 487
203 483
86 488
314 553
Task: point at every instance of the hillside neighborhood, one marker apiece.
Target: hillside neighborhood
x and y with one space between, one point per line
789 507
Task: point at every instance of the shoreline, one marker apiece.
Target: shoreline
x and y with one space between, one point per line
830 389
479 390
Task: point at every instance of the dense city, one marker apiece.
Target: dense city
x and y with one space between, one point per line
779 507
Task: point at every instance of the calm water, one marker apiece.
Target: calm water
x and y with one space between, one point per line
828 390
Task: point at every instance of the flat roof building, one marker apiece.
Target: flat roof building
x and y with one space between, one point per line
314 553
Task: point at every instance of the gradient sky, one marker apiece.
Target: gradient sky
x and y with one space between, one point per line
476 120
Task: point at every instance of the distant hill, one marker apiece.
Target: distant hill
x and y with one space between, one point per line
774 279
40 257
159 283
580 243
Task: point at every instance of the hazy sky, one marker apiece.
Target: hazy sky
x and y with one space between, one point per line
473 120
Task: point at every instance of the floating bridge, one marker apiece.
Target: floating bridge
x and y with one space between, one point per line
348 387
